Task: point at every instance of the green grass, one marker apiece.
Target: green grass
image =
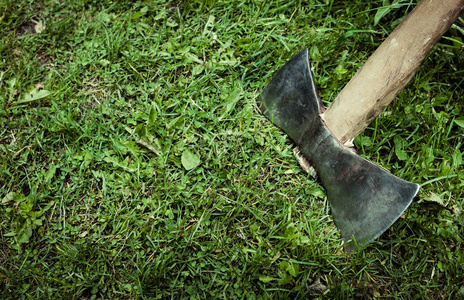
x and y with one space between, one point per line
135 163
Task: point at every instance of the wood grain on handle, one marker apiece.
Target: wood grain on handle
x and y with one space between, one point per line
390 68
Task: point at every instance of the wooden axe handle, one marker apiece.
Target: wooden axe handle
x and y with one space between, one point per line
390 68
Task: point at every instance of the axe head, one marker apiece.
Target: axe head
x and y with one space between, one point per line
365 199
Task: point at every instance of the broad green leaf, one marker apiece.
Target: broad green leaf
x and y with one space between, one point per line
161 15
244 42
169 214
399 144
171 23
231 100
33 96
285 279
11 83
114 160
440 266
265 278
340 71
284 265
152 115
8 197
50 173
12 196
155 148
254 228
175 123
259 139
25 233
387 8
293 269
301 240
314 53
459 121
457 158
36 95
26 206
104 62
87 159
137 15
229 62
141 130
189 160
381 12
190 57
198 69
400 153
104 17
317 192
366 141
24 238
209 23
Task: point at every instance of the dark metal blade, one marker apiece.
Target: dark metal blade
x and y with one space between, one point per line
365 199
290 99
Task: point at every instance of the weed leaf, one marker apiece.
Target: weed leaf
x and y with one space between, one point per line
152 116
33 96
50 173
12 196
231 100
24 237
399 146
189 160
293 269
385 9
137 15
459 121
141 130
285 279
265 278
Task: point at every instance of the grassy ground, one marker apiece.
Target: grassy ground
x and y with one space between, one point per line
135 163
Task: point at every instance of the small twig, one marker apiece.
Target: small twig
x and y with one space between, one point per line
427 202
194 103
304 162
135 70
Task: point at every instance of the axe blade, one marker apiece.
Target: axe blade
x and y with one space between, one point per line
365 199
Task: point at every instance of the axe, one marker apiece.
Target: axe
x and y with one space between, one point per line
365 199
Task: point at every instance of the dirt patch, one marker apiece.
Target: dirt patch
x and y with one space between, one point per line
44 59
26 28
30 27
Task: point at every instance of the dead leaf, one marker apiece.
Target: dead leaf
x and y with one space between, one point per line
83 234
39 27
456 210
435 198
317 287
